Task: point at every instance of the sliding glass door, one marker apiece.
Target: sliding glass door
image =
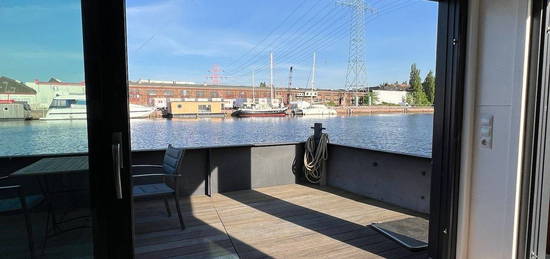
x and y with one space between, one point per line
64 152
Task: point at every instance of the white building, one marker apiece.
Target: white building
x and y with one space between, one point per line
46 91
390 96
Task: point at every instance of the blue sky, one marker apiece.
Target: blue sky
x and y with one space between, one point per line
182 39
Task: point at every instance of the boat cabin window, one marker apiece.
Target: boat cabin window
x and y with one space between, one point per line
62 103
205 108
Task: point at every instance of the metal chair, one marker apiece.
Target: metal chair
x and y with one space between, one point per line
170 168
21 203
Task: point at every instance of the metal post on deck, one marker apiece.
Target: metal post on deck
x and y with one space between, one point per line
317 131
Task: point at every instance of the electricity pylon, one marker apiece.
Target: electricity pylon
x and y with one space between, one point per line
356 76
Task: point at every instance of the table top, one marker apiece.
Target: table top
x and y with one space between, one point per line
55 165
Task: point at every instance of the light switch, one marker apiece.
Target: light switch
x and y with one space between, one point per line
486 131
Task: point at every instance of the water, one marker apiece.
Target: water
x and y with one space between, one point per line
404 133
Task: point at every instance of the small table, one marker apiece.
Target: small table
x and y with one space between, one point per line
54 166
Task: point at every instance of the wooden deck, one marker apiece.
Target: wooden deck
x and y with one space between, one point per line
289 221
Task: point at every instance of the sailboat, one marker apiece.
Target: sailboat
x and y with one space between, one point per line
305 108
256 110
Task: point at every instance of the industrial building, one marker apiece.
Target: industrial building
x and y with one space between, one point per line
160 93
145 92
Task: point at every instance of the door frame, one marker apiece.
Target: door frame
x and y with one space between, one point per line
107 93
535 187
106 75
446 149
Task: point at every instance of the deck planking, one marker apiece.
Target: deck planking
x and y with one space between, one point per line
287 221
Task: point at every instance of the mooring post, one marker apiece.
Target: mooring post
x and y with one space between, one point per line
317 131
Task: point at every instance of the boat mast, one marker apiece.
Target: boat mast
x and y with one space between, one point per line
271 77
313 78
253 83
289 85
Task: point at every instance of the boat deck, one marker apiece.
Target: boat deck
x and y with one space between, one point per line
287 221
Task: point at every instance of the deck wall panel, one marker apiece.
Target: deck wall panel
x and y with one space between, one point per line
397 179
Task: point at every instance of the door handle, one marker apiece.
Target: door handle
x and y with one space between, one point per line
117 164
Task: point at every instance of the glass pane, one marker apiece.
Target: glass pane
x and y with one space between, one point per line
44 192
223 76
313 46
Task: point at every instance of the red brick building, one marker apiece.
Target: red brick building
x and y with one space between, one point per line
144 92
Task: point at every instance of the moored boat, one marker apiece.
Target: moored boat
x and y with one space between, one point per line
73 107
315 109
260 112
13 110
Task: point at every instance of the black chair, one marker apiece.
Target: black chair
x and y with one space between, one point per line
21 203
170 168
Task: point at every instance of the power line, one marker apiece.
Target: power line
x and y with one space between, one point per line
289 53
288 49
392 7
300 49
275 40
271 33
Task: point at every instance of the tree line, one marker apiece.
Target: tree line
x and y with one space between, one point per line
422 93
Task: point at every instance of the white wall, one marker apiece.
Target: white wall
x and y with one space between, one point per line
386 96
495 85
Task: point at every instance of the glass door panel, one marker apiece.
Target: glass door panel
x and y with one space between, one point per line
61 193
44 187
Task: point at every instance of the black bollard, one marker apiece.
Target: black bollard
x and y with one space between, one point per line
317 130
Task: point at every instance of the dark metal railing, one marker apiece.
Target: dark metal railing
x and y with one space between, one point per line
399 179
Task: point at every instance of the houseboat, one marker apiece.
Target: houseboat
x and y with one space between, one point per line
13 110
194 109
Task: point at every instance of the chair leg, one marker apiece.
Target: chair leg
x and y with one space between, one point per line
46 230
167 207
179 211
28 226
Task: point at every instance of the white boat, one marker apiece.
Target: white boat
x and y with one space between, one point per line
305 108
73 107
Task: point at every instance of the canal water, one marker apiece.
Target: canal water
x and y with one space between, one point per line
404 133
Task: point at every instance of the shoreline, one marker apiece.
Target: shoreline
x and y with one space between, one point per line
383 109
352 110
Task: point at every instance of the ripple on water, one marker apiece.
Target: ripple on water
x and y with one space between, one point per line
405 133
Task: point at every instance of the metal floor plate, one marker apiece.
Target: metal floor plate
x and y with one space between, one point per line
412 232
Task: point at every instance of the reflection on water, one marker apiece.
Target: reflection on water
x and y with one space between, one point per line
406 133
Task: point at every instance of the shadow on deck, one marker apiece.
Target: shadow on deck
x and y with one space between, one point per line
281 221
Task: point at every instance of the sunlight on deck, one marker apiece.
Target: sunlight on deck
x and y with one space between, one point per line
281 221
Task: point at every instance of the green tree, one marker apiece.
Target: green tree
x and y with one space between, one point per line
373 98
331 103
429 87
262 84
417 95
